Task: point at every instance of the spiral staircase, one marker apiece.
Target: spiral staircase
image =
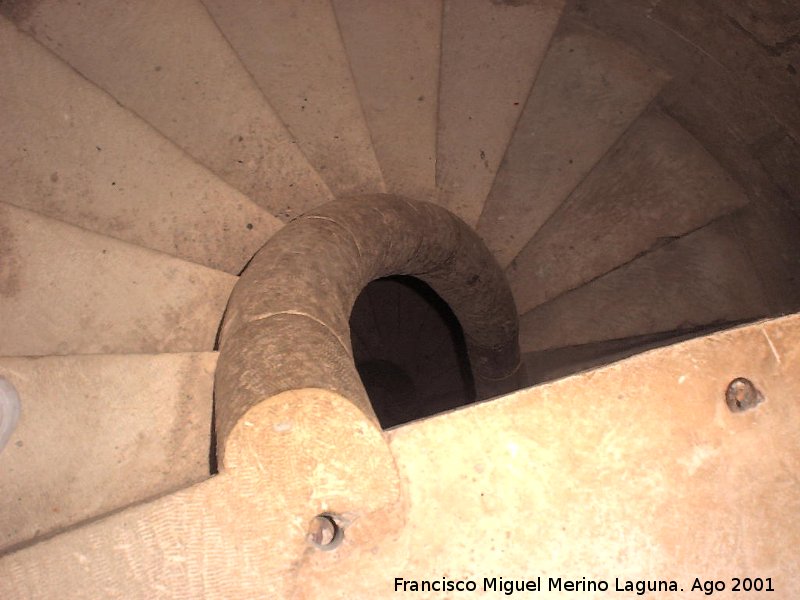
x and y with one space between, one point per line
632 166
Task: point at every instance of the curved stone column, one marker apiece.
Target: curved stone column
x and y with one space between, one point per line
287 322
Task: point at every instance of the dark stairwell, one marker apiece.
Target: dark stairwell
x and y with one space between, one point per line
409 350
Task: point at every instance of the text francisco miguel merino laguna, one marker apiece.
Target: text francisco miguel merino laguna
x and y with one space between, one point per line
552 584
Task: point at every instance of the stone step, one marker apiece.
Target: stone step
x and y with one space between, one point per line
656 184
66 290
98 433
491 52
769 226
169 63
698 280
295 53
71 152
557 363
393 50
632 469
589 89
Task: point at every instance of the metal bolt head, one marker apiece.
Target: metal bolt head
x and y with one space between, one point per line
324 532
742 395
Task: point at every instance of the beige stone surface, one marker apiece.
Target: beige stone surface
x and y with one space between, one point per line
703 278
656 184
393 50
98 433
491 53
588 91
241 534
637 471
66 290
295 53
71 152
168 62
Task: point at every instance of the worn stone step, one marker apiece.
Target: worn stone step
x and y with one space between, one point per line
656 184
393 50
557 363
770 226
71 152
491 52
66 290
589 89
169 63
97 433
701 279
295 53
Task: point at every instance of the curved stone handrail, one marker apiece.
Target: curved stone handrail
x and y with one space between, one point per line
287 322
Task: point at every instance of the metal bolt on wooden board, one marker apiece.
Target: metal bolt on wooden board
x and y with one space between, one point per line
742 395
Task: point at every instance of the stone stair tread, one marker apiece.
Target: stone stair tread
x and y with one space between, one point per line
557 363
589 89
393 50
67 290
698 280
98 433
769 229
169 63
73 153
491 52
656 184
294 51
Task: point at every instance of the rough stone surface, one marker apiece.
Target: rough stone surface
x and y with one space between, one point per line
588 91
700 279
732 107
733 131
99 433
313 270
168 62
730 117
393 51
491 53
66 290
242 533
655 185
71 152
282 352
295 53
757 40
635 471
